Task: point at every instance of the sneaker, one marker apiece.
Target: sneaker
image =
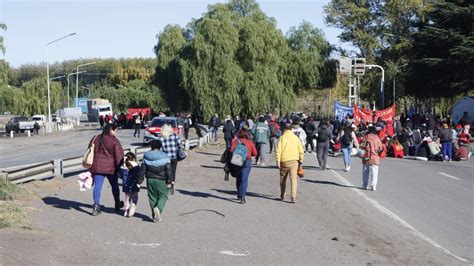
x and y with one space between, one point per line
131 212
118 206
263 164
125 213
242 200
172 189
293 200
373 188
283 196
156 215
96 210
348 168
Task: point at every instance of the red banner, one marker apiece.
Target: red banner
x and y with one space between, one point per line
366 115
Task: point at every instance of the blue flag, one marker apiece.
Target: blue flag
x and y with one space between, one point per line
340 111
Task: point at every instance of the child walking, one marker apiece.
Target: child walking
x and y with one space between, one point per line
131 180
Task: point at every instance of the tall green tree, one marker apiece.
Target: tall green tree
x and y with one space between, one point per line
3 63
3 26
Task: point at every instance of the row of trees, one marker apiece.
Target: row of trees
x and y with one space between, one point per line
427 46
234 60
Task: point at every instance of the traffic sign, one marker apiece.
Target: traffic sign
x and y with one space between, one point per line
359 66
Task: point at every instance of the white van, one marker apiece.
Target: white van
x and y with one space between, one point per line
40 119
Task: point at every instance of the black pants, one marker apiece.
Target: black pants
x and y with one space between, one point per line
322 149
174 165
309 142
186 132
228 143
137 130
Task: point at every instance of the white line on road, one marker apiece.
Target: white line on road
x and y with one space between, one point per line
397 218
231 253
450 176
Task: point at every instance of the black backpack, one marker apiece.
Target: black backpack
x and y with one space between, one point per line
323 135
346 140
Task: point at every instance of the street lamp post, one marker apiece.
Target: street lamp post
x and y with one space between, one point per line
68 75
47 73
77 87
382 104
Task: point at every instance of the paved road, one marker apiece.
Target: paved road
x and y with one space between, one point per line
203 224
434 197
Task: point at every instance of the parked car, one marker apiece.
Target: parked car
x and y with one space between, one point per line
40 119
19 124
153 128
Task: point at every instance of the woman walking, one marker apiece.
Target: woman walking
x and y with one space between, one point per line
348 139
108 158
171 144
323 137
242 173
156 167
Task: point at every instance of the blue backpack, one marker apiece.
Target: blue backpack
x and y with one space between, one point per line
239 155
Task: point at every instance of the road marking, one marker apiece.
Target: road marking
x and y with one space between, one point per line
231 253
396 218
450 176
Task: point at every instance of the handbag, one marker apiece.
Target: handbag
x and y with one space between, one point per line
300 171
181 154
88 158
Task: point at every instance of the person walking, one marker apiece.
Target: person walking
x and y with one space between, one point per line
137 124
289 155
371 160
171 144
323 137
299 132
156 167
348 139
275 133
214 125
242 173
131 180
187 123
446 139
261 134
310 128
108 157
229 131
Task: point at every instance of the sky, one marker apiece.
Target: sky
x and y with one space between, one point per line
120 28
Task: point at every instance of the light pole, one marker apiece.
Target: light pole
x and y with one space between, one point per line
77 86
382 105
68 75
47 73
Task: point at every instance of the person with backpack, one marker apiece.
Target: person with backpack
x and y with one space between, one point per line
323 137
310 128
348 139
275 133
229 129
371 159
242 150
289 155
261 134
214 125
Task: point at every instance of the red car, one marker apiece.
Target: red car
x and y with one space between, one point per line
153 128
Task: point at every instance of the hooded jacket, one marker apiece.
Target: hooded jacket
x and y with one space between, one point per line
156 164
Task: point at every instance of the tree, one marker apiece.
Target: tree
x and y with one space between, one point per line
2 27
3 64
443 51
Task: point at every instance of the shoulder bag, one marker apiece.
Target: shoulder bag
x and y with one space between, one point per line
88 158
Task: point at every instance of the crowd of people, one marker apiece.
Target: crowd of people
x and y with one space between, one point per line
249 141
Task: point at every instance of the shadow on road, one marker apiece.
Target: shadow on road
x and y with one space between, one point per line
203 195
137 144
249 194
85 208
329 183
208 153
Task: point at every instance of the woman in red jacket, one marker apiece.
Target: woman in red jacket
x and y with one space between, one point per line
108 157
242 173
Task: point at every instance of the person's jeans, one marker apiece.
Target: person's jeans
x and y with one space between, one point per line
242 179
370 174
346 155
137 130
261 150
322 149
214 133
289 168
99 181
447 149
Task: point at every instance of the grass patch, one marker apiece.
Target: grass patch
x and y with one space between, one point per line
10 214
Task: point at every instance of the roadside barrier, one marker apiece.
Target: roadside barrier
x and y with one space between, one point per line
70 166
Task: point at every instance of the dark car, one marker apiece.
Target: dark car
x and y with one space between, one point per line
153 128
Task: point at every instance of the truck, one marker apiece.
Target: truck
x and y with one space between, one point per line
98 107
19 124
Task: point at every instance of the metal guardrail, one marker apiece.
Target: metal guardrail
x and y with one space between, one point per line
69 166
